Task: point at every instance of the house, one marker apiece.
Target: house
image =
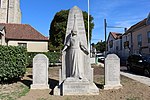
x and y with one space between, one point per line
114 43
126 45
134 41
23 35
139 37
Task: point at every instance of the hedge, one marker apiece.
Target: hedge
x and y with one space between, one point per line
13 62
53 57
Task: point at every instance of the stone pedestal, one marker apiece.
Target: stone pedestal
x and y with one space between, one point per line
73 86
38 86
108 87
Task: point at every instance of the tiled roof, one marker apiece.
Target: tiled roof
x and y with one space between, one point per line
22 32
137 25
116 35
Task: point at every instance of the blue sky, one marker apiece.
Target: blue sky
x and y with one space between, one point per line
124 13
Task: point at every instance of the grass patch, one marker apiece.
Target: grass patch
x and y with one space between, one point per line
25 90
17 93
4 96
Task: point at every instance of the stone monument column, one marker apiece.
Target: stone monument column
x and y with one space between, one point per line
112 72
76 74
40 72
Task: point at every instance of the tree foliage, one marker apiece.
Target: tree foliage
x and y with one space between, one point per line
100 46
58 29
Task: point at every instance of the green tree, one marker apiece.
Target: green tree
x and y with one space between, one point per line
100 46
58 29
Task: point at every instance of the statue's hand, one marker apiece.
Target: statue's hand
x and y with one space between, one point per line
64 49
86 52
84 49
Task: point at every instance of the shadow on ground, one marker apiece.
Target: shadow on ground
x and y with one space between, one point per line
27 82
53 83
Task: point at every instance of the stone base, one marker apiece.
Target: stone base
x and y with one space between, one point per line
108 87
33 86
73 86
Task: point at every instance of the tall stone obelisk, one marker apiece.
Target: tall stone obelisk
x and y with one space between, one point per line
69 85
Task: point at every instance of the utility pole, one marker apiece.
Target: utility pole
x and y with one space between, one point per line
105 29
105 26
88 25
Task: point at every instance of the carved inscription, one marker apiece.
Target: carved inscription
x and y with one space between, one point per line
40 76
76 88
113 72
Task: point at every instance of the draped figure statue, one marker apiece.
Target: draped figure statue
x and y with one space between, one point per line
75 57
75 74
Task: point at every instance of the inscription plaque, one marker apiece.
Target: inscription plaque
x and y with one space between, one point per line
112 72
40 72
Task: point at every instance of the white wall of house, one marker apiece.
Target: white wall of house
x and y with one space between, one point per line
32 46
110 49
117 47
125 50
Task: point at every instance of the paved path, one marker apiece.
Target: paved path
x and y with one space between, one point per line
142 79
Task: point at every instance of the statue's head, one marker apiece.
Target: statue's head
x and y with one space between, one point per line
74 32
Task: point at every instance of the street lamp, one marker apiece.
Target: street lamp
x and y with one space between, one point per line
88 25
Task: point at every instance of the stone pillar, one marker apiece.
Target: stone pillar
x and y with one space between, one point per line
112 72
40 72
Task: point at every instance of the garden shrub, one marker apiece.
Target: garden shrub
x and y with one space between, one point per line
53 57
13 62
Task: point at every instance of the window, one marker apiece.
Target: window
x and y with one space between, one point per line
148 36
117 48
121 44
111 43
126 44
139 39
23 44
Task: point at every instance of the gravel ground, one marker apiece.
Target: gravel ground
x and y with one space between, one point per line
131 90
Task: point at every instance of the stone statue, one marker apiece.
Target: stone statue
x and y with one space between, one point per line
76 74
75 59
